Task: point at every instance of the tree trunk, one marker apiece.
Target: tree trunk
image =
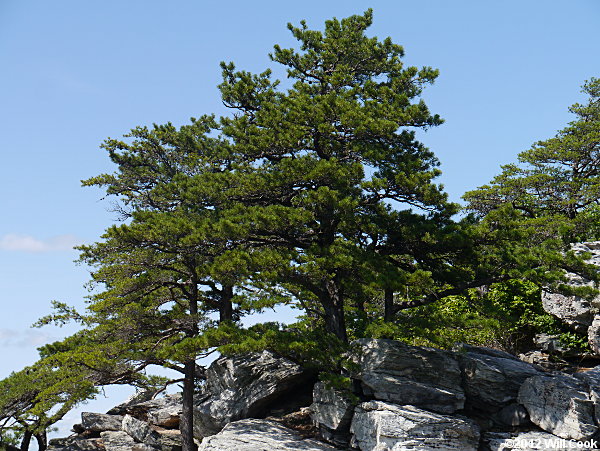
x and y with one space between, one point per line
26 440
186 421
333 305
226 305
42 441
186 425
388 305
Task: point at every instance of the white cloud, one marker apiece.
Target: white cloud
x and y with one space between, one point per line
28 243
24 339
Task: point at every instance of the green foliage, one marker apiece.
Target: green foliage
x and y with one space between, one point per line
301 342
557 182
320 197
330 173
507 316
442 324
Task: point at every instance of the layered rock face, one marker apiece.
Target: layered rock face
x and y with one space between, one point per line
250 386
254 435
423 377
141 426
404 398
380 426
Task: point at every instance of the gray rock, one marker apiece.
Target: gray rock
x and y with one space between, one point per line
332 412
75 444
560 405
170 439
591 377
144 447
163 411
259 435
98 422
381 426
492 381
511 416
524 441
594 334
576 312
399 373
463 348
550 343
249 386
541 360
140 431
117 441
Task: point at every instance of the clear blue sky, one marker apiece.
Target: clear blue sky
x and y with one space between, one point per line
75 72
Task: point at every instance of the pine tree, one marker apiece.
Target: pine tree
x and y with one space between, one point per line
175 269
556 183
330 168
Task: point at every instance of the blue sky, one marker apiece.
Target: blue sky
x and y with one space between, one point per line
73 73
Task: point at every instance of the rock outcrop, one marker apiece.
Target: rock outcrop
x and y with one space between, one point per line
491 380
141 427
163 411
381 426
410 375
332 412
97 422
250 386
403 398
581 315
560 405
257 435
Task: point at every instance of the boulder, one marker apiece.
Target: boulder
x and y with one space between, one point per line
381 426
396 372
162 412
259 435
98 422
575 311
140 431
170 439
491 380
332 412
591 379
523 441
560 405
75 444
117 441
594 334
250 386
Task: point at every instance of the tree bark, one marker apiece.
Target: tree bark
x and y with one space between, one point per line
333 305
186 425
26 440
388 305
42 441
187 414
226 305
